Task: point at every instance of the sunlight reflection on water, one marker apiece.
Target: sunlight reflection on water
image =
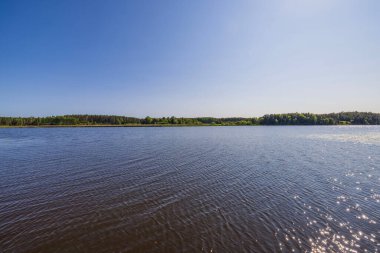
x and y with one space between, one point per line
365 138
225 189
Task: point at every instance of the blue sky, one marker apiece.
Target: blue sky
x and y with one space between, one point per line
188 58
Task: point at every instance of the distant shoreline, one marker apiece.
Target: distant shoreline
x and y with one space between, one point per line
293 119
156 125
126 125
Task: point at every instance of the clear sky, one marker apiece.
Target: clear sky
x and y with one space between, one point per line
188 57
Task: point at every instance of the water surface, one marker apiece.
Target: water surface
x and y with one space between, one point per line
190 189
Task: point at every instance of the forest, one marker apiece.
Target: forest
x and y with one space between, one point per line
342 118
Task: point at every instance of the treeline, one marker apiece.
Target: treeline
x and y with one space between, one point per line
69 120
343 118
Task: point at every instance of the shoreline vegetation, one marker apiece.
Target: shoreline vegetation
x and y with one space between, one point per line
342 118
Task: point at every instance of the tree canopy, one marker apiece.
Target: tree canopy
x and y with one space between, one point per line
342 118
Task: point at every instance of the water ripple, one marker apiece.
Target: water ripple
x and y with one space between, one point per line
221 189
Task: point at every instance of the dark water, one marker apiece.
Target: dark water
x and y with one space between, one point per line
190 189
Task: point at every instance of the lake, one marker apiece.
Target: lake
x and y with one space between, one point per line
190 189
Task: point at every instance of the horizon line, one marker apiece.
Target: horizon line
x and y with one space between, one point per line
119 115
